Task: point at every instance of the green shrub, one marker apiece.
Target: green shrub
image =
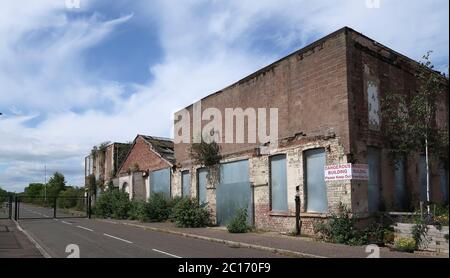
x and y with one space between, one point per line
373 234
157 209
340 228
239 222
405 244
189 213
71 198
172 204
440 213
113 204
388 236
138 211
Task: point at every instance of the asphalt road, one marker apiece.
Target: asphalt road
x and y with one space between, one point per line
98 239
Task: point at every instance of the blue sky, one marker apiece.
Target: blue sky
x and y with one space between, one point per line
72 78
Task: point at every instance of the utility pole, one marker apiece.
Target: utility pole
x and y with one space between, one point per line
428 174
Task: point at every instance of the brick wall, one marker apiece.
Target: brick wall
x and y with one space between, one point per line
321 94
371 63
144 157
309 88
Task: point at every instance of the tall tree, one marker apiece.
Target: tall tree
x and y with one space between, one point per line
56 184
410 123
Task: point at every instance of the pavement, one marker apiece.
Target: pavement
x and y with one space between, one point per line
100 238
273 242
14 243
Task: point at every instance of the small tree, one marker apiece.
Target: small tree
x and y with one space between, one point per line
409 121
207 153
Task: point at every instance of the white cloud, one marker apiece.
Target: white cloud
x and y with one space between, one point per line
207 45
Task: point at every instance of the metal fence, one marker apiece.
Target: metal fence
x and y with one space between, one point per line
51 207
5 207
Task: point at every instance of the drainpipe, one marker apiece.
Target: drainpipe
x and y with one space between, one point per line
297 211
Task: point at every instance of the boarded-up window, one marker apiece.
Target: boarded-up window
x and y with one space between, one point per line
373 159
373 105
202 175
316 190
160 181
186 183
278 183
400 184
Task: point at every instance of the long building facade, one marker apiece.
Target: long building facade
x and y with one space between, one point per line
328 98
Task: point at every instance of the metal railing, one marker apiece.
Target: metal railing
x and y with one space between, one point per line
26 207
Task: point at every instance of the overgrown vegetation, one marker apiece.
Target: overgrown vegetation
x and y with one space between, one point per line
419 232
341 228
68 197
189 213
158 208
238 223
405 244
205 153
5 194
409 120
113 204
72 198
184 212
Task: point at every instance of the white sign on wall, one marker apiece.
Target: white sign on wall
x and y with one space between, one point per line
348 171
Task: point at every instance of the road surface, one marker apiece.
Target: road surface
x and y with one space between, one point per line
98 239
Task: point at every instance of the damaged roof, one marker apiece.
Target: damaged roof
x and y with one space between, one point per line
163 146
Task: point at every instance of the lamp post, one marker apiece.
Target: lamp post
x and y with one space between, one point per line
45 183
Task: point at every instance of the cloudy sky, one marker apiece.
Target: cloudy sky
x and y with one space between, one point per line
72 78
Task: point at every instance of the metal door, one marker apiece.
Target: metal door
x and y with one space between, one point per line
373 158
444 182
233 192
400 184
316 189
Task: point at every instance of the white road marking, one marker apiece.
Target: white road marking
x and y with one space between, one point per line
55 219
66 223
84 228
118 238
165 253
45 215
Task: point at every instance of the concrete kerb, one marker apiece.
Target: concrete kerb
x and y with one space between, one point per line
230 243
41 250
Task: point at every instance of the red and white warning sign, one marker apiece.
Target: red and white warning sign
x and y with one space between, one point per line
348 171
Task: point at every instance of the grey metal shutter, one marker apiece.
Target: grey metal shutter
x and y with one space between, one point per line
278 183
316 189
373 157
160 181
202 175
186 183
